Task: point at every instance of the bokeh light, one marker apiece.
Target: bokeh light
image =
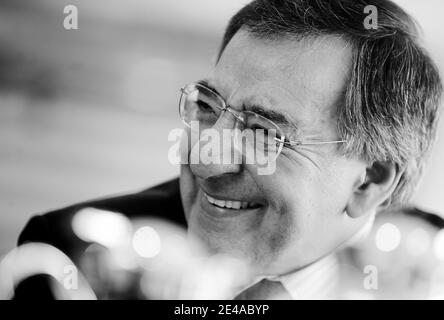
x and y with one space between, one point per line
388 237
146 242
41 258
109 229
438 245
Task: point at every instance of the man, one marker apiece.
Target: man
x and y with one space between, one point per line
355 113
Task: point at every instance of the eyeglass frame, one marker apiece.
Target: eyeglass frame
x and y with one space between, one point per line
237 115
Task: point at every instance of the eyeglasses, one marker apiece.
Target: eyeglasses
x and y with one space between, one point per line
202 104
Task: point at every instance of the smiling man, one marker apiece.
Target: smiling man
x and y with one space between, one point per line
354 111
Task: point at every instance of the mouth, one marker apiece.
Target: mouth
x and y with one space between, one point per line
223 205
231 203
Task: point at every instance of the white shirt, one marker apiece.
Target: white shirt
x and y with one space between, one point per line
316 281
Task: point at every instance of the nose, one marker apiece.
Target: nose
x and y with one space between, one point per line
217 154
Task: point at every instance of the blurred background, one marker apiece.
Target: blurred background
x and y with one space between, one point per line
86 113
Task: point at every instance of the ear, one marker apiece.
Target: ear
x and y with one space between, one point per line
381 179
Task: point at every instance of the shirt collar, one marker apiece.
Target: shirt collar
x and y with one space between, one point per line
316 281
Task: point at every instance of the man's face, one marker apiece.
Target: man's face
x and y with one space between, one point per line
297 214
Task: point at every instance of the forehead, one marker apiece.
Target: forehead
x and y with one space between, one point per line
302 78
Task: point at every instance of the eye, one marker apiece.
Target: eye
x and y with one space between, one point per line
204 107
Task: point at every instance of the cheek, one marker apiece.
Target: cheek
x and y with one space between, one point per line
292 202
283 233
319 207
309 197
338 186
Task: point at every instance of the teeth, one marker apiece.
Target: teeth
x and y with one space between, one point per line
220 203
236 205
231 204
211 200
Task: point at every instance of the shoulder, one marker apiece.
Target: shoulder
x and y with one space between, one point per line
55 228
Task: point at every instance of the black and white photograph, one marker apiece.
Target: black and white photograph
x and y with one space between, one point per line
234 151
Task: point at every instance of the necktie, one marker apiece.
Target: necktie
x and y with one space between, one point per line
264 290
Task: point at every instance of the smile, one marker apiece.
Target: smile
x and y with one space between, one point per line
231 204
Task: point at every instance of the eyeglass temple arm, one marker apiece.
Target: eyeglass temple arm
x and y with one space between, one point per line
300 143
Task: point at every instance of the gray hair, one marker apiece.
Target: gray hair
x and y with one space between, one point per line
389 111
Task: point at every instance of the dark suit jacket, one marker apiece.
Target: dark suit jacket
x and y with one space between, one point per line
55 228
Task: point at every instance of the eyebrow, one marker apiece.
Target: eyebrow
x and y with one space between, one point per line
279 118
206 82
273 115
